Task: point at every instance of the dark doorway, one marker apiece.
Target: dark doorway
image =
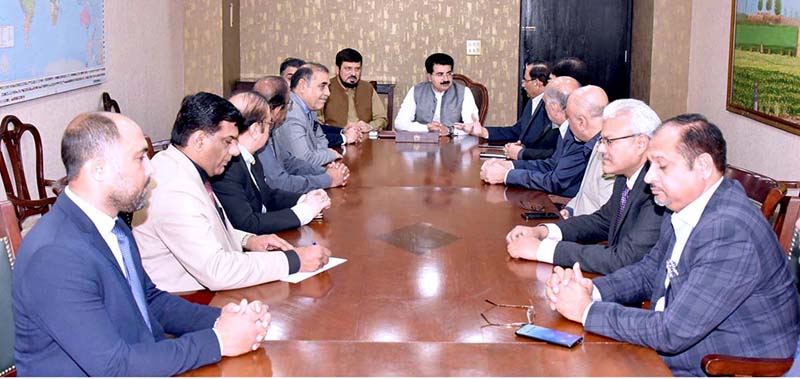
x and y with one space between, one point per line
596 31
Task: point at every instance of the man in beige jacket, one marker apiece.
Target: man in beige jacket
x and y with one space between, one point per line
184 236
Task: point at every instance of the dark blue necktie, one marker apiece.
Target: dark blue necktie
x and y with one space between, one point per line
622 203
133 276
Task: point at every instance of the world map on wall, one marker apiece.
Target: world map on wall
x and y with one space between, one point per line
49 47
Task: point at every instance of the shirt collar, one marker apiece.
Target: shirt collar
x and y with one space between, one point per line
690 215
297 100
562 129
249 158
103 222
629 182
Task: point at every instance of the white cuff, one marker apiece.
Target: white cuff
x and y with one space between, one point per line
303 211
553 232
219 339
505 177
344 138
547 248
596 294
586 313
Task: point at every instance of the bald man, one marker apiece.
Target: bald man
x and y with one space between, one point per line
562 173
587 121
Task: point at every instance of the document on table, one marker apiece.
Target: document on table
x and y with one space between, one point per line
298 277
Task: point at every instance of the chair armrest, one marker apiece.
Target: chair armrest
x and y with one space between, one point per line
56 185
728 365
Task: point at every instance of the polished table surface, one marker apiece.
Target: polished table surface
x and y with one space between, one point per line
424 240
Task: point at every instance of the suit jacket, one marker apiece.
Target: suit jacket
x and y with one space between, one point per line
535 131
636 234
289 173
733 293
561 174
185 244
333 134
243 201
300 137
75 314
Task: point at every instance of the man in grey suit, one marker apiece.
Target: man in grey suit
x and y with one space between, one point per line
283 170
631 226
301 134
718 281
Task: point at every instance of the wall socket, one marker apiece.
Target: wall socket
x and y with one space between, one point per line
473 47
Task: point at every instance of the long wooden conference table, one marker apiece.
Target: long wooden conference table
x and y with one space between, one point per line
424 240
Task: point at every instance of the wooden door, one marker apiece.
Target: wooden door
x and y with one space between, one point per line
596 31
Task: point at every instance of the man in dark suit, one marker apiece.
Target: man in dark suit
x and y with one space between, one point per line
83 305
631 226
562 173
533 136
718 280
248 200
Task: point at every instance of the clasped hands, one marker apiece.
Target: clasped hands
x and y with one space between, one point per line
355 131
242 327
318 200
568 292
338 172
494 170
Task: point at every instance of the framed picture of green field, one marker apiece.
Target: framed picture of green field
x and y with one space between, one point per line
764 62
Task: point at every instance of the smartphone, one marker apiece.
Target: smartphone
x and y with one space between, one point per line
492 155
549 335
539 215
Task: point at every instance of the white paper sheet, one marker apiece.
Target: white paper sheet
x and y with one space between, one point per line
300 276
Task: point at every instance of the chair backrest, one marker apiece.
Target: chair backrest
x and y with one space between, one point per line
12 131
388 90
10 238
109 104
789 212
479 92
765 190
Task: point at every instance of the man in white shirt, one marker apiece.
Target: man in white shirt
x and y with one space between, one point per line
186 238
629 220
437 104
249 201
83 305
718 280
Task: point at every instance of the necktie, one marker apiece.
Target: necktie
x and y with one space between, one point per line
134 282
210 191
622 202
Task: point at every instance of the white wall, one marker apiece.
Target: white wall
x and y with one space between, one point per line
751 144
144 54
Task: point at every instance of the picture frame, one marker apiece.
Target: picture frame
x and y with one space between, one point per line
764 62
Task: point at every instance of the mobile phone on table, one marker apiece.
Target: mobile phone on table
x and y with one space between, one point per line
539 215
549 335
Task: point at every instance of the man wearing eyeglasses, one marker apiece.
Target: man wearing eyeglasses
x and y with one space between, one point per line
629 221
534 136
437 104
717 280
252 205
